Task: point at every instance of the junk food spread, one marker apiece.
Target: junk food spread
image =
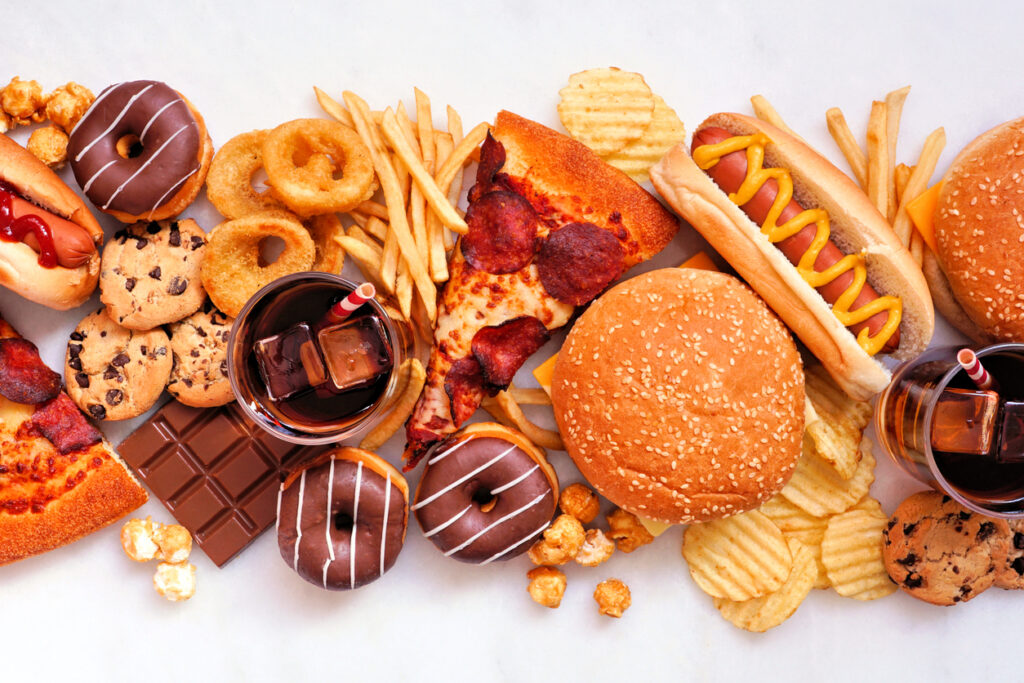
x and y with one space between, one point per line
420 265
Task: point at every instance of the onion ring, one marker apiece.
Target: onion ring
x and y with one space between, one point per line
301 158
229 183
330 255
233 269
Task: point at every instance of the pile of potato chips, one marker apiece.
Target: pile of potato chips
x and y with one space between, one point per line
615 114
822 530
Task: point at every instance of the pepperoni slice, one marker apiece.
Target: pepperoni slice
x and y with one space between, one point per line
492 158
24 377
502 233
502 349
60 421
577 261
465 388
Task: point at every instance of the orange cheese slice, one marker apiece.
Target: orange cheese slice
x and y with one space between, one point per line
701 261
922 210
543 373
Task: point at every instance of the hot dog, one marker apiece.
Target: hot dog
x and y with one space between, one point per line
729 173
49 240
820 255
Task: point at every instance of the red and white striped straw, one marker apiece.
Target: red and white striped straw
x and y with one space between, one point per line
974 369
350 303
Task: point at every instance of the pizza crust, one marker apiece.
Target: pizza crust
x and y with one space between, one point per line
106 493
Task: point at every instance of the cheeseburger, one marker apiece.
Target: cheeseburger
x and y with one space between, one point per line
680 396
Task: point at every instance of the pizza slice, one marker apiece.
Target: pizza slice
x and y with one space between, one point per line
59 479
551 226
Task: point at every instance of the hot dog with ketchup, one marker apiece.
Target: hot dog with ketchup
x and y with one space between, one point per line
49 240
808 240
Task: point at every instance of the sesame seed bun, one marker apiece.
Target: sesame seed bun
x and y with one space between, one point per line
979 231
680 396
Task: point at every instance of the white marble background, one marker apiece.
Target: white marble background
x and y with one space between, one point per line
85 612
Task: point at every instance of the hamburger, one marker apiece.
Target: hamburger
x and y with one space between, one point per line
977 269
680 396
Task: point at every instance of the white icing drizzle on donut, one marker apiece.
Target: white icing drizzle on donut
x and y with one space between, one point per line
465 478
327 563
384 530
445 452
173 187
445 525
518 543
327 529
298 519
515 481
355 524
154 117
148 162
97 174
113 124
504 519
277 522
103 96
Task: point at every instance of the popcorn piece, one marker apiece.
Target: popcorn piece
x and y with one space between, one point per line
627 531
547 586
5 122
562 540
49 145
23 101
580 502
176 582
175 543
612 597
596 549
137 539
67 104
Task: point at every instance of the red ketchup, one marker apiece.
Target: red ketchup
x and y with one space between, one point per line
14 229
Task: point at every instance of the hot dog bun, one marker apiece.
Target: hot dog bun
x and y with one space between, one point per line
58 287
856 226
978 230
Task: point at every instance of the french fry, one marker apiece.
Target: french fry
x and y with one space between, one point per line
376 228
529 397
893 111
417 218
434 196
847 143
411 382
436 232
452 166
372 208
917 183
878 159
423 325
403 290
333 108
902 175
425 129
366 257
389 262
359 218
506 411
764 110
455 188
393 199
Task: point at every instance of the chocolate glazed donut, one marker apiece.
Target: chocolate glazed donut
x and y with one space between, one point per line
485 494
341 520
152 115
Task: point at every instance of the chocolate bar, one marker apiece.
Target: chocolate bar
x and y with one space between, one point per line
215 470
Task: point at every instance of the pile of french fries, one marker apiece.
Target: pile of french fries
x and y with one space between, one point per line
402 245
889 185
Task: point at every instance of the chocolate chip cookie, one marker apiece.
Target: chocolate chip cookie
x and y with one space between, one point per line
199 345
1011 573
114 373
149 275
941 552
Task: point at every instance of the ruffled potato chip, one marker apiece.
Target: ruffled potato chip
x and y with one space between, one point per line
606 109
